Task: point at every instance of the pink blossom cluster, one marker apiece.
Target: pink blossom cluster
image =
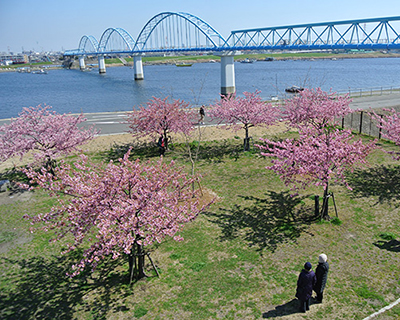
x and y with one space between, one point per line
44 132
116 207
390 125
161 117
244 112
316 107
323 151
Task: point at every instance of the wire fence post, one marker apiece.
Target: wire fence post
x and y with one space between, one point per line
361 120
370 125
380 128
351 120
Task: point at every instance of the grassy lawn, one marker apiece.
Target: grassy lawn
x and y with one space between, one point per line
238 260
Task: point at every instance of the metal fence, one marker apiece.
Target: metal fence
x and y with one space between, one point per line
365 92
351 92
362 123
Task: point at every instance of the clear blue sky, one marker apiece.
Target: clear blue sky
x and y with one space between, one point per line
56 25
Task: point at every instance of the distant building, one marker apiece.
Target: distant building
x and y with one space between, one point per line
14 58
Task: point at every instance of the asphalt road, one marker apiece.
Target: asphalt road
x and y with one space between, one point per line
113 122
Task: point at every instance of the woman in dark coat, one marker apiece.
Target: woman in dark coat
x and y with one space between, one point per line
322 275
305 285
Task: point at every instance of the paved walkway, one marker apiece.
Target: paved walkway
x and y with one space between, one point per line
376 101
112 122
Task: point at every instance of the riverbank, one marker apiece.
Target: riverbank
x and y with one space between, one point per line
265 57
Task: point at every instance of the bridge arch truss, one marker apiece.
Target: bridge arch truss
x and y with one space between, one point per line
169 31
116 40
88 44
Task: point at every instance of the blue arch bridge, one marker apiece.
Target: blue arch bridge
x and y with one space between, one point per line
170 32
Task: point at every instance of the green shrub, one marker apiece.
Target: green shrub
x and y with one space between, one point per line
140 312
336 221
387 236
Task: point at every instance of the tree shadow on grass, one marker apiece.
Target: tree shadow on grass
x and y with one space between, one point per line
142 150
380 181
391 245
215 151
14 175
43 291
266 223
211 151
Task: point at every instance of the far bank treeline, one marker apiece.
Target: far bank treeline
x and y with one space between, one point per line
119 209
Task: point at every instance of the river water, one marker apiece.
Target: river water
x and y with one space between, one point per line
75 91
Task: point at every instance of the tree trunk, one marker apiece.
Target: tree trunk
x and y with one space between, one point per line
324 212
246 144
166 140
136 263
50 164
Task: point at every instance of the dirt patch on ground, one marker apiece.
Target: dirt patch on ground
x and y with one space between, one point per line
9 197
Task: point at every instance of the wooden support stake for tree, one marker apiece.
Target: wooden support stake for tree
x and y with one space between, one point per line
152 263
325 206
201 191
334 203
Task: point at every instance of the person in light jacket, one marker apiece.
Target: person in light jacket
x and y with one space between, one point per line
305 285
322 275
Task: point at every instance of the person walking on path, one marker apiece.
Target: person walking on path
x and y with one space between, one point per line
305 285
202 115
321 273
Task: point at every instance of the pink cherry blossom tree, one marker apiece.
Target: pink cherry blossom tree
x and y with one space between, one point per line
44 132
244 112
323 151
389 123
161 117
118 210
316 108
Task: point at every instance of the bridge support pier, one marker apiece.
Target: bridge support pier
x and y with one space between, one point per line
82 62
138 67
102 64
227 74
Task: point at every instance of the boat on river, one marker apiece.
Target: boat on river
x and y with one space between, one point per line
247 60
183 64
40 71
294 89
24 69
